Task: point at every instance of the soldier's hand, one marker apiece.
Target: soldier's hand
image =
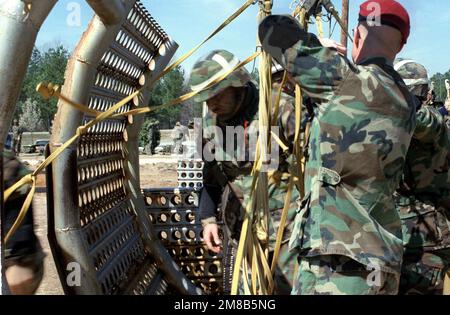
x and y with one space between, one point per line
211 237
329 43
429 99
447 105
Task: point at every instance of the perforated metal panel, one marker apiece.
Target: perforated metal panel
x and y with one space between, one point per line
108 220
190 174
104 228
174 214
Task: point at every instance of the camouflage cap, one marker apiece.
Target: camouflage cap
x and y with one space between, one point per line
415 76
212 66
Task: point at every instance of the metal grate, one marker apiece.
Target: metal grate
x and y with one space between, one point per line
108 222
149 281
190 174
174 215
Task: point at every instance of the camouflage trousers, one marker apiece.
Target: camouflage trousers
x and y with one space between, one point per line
287 260
178 147
284 273
341 275
426 237
424 273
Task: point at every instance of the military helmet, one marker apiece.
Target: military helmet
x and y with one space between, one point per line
415 76
212 66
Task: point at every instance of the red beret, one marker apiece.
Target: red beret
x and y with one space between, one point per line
389 12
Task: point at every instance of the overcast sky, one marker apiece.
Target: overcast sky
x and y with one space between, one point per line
189 21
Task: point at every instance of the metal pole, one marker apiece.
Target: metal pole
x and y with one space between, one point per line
20 22
344 39
447 276
110 11
2 224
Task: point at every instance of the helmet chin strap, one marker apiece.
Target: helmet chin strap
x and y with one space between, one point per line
241 97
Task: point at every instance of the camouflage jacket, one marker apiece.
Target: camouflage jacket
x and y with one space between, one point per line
427 162
235 166
424 194
359 137
239 159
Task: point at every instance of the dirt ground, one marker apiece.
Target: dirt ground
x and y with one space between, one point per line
158 174
155 172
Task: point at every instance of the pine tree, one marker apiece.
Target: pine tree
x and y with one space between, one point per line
48 66
439 81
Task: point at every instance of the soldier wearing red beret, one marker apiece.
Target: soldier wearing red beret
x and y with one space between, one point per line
347 231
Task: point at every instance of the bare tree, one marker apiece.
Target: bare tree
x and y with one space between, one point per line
30 120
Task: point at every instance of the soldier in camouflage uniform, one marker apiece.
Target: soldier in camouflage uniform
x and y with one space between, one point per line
178 136
17 137
234 103
423 199
347 231
23 253
154 136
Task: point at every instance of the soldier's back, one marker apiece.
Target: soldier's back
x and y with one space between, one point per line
358 143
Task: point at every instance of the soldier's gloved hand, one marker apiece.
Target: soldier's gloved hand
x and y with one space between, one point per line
447 105
211 237
278 33
329 43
